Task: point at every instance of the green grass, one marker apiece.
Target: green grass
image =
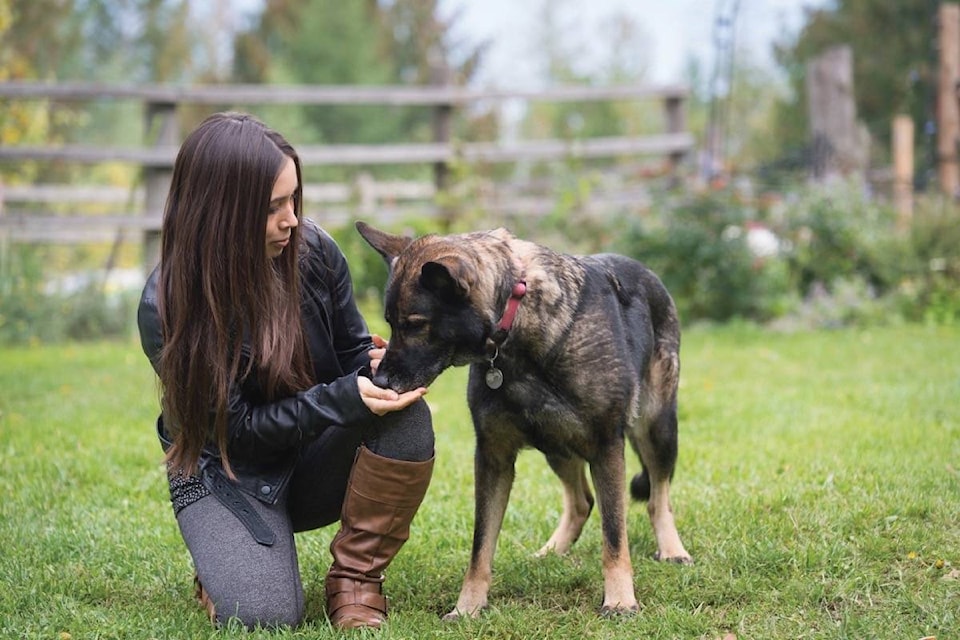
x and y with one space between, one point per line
818 490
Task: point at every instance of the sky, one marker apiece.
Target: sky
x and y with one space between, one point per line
673 31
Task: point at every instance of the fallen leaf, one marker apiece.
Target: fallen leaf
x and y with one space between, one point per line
953 575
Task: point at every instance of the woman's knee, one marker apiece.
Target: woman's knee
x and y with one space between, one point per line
256 593
404 435
418 417
259 610
246 581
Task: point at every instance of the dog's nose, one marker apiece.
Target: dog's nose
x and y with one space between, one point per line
381 379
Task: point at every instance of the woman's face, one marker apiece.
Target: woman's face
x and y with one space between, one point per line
282 217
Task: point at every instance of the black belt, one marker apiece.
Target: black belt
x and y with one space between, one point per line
220 486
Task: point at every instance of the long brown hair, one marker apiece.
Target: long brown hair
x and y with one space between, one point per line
227 309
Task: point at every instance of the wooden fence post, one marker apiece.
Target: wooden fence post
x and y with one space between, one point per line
440 75
840 145
442 122
364 187
948 112
162 130
676 117
948 117
903 170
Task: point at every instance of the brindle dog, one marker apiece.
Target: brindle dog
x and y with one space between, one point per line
567 354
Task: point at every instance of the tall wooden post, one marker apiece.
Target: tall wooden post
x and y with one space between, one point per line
840 148
903 170
162 131
948 114
442 118
676 123
442 130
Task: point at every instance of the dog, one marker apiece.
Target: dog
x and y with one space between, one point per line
568 354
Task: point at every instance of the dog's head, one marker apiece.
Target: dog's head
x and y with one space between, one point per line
436 301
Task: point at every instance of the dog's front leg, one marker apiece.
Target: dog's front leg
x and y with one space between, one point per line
608 479
493 479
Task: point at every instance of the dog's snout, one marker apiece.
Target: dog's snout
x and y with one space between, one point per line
381 379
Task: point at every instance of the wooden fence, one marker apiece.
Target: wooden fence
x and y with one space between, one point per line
142 208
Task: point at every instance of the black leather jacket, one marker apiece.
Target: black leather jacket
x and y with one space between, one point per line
265 437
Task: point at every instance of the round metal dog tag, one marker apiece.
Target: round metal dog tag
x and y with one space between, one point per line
494 378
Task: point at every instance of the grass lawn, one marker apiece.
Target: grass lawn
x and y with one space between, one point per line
818 490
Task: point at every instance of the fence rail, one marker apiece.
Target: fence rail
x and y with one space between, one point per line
33 223
35 213
340 155
331 94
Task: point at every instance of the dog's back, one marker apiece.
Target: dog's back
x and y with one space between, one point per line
644 301
618 328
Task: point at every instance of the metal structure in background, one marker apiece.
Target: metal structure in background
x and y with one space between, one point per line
721 89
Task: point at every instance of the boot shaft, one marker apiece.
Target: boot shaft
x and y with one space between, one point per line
382 497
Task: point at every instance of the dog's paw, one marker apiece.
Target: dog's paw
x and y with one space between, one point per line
618 611
681 559
457 614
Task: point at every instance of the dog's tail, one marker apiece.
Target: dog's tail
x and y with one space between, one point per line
640 487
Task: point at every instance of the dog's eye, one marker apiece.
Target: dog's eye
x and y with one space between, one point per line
414 323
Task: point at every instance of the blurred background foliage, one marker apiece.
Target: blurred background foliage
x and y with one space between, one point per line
836 256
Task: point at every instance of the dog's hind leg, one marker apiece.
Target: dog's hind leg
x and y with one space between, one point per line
577 504
656 444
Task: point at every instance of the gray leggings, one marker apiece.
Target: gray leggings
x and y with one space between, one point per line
261 585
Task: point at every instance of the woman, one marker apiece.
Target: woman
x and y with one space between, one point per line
270 422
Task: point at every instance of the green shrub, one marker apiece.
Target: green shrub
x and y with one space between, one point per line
91 314
837 233
841 261
699 249
32 311
929 289
845 246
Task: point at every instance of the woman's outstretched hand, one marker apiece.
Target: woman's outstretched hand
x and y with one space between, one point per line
381 401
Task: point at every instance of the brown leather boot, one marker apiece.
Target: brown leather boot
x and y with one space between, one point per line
382 497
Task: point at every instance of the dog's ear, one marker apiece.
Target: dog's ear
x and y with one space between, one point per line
387 245
447 278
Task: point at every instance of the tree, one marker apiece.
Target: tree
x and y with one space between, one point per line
561 51
356 43
34 44
140 40
103 41
418 43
